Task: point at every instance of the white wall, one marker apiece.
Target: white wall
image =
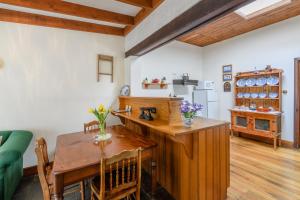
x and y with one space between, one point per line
166 12
275 45
170 61
48 80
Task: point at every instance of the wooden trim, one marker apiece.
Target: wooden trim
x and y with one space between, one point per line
145 12
297 104
284 143
73 9
202 13
31 171
42 20
287 144
138 3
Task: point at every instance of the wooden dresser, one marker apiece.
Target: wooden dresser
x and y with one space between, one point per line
192 163
262 123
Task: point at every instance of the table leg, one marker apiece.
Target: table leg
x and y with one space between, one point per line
58 187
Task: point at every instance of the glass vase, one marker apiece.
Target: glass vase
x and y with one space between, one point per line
102 136
188 121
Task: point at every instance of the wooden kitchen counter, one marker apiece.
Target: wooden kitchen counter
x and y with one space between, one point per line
174 129
192 163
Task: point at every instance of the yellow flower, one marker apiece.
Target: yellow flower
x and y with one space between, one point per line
101 108
91 110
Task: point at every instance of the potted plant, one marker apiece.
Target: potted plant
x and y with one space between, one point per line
101 114
188 111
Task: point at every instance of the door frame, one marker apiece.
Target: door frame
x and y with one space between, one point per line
297 104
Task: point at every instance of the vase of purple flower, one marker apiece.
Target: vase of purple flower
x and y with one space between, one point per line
188 111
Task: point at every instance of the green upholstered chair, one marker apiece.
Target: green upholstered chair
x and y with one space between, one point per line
12 148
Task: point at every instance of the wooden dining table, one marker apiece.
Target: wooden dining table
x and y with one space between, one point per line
77 156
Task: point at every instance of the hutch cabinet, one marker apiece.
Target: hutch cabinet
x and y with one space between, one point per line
257 109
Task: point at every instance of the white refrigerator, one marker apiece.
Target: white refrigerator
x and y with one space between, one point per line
206 95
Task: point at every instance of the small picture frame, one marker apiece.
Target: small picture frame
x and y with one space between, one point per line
227 77
227 69
227 87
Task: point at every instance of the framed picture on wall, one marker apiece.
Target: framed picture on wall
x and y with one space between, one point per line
227 77
227 87
227 69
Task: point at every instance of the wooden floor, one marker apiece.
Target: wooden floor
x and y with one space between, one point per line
258 172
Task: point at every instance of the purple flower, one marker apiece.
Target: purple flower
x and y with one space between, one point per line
189 109
197 107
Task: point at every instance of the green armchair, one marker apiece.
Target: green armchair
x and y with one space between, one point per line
14 144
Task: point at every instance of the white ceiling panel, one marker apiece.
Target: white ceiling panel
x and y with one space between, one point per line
110 5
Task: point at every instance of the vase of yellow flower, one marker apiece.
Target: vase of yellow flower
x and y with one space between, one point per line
101 114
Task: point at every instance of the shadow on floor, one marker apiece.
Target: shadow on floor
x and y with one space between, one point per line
30 189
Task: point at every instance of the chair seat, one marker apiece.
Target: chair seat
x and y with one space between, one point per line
95 185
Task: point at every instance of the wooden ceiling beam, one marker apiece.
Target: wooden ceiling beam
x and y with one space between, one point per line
73 9
200 14
138 3
145 12
42 20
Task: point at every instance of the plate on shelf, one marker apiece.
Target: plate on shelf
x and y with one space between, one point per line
240 95
246 95
125 90
261 81
273 95
254 95
262 95
273 80
250 82
241 82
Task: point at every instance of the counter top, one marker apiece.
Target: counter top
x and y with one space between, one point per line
255 111
152 98
174 129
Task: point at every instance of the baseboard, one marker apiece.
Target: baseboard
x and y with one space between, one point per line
30 171
284 143
287 144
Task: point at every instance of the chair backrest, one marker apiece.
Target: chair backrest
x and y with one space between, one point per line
90 126
124 174
43 165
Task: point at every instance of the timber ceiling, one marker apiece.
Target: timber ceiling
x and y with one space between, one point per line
233 25
114 17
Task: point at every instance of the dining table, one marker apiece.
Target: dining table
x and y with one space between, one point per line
77 155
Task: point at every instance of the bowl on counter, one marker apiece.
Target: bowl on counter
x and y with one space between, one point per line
262 109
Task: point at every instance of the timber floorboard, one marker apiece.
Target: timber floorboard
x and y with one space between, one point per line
257 172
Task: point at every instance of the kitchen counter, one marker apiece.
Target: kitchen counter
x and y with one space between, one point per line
192 163
173 129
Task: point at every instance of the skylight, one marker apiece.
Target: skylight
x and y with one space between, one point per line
260 6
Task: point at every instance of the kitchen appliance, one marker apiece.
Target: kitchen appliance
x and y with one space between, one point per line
206 95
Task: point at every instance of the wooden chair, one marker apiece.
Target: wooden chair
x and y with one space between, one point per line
90 126
123 177
45 172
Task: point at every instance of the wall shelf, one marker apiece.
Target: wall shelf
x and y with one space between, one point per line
155 85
